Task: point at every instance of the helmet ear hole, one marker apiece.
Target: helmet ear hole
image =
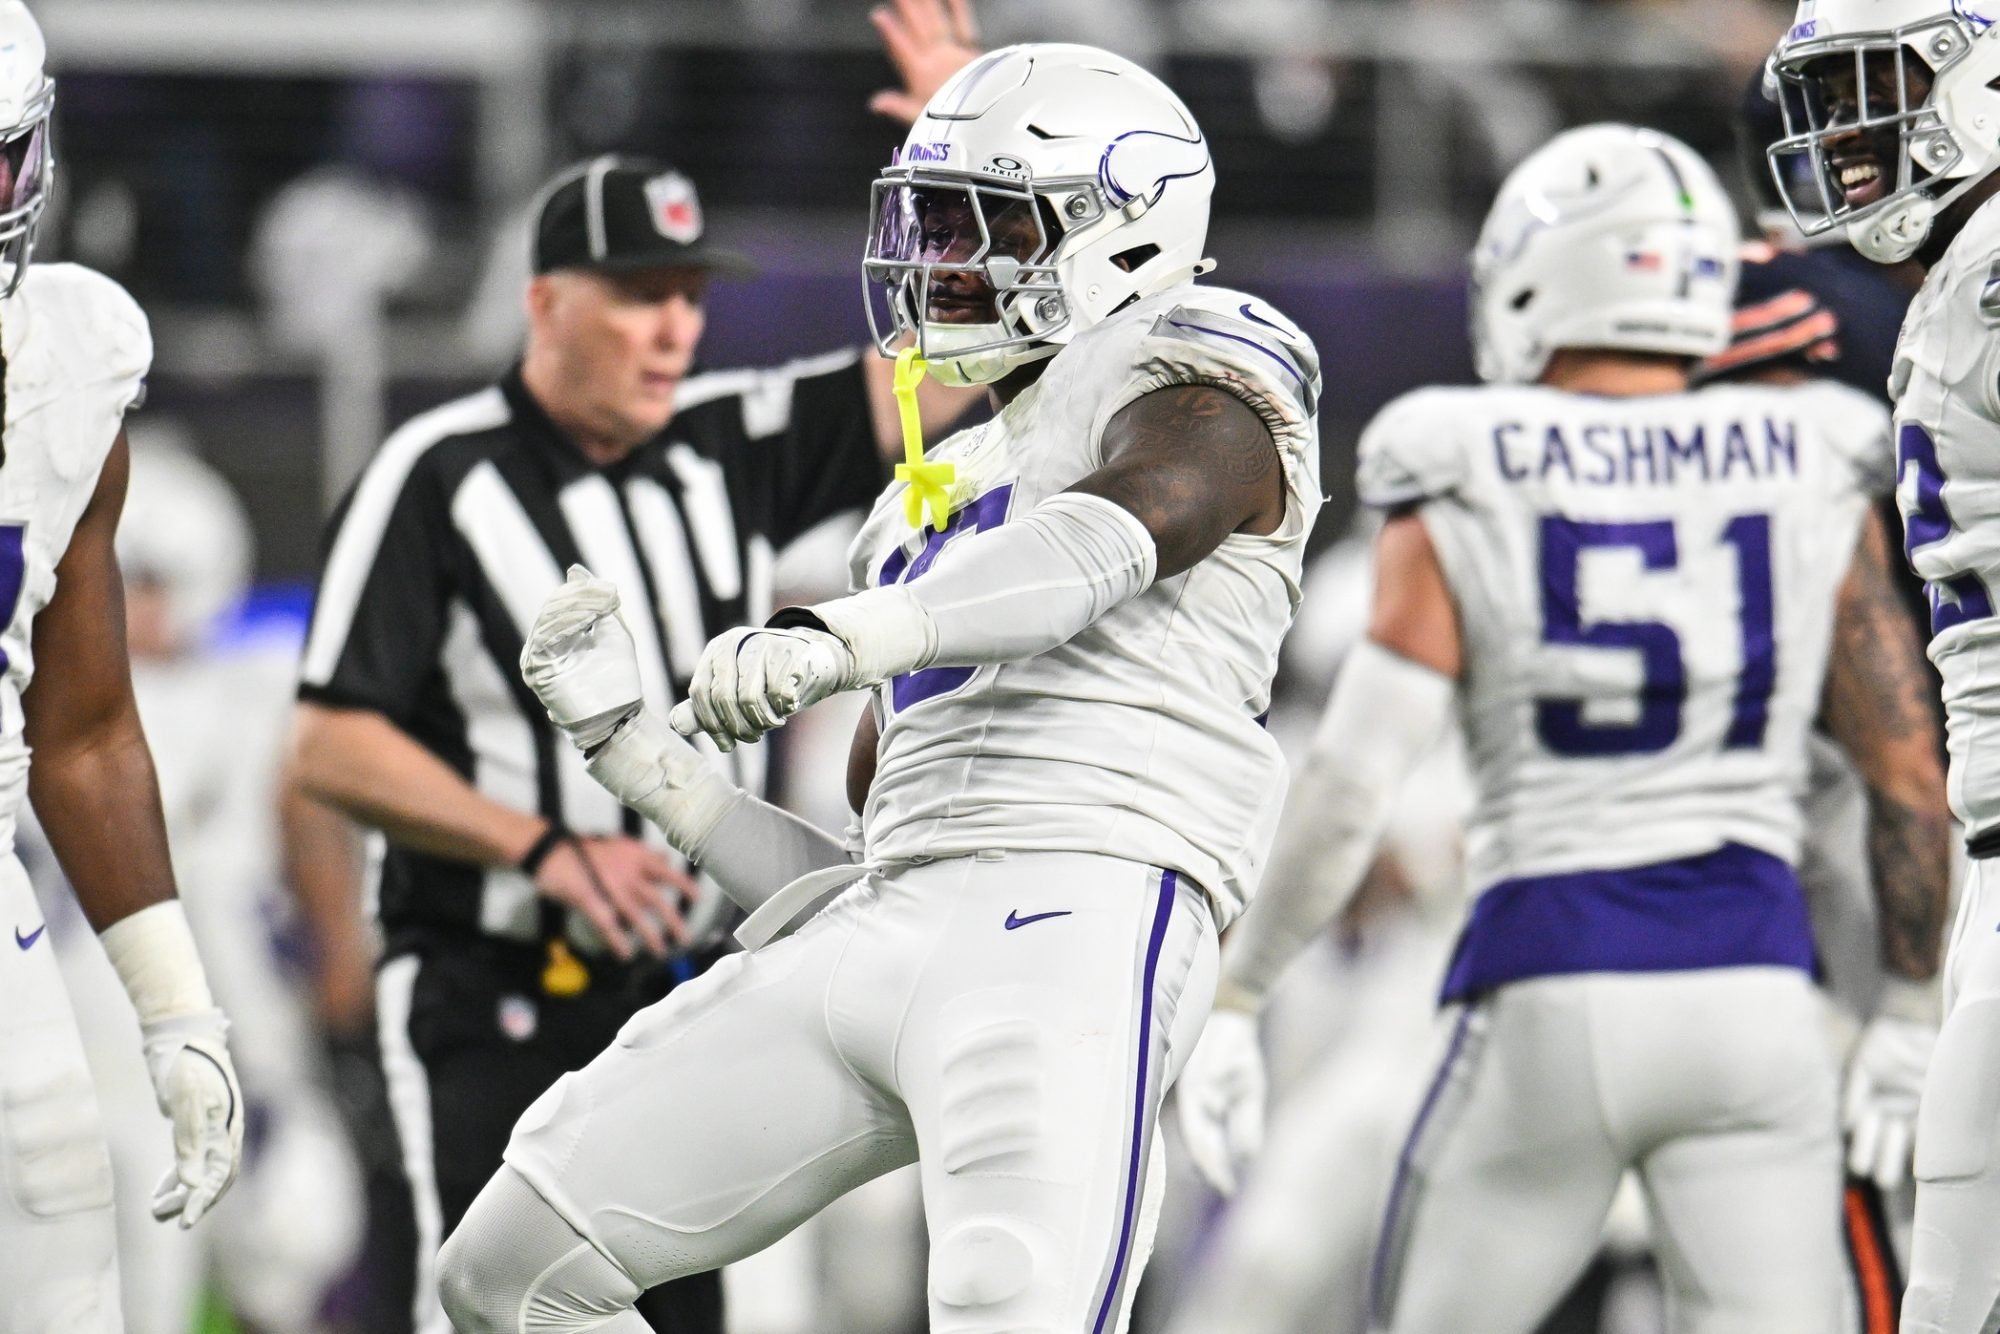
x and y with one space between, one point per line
1137 257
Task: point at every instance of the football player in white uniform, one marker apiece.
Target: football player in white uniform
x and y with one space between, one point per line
1896 122
1628 591
216 716
1067 789
74 351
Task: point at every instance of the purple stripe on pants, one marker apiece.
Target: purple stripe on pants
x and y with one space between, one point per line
1391 1241
1162 913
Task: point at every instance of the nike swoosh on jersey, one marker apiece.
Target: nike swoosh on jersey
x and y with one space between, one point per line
1015 921
28 941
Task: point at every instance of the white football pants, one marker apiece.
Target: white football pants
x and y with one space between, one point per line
1010 1021
1955 1251
1717 1087
58 1238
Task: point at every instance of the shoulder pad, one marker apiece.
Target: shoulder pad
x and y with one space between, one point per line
1247 334
1989 294
1410 451
81 328
1859 428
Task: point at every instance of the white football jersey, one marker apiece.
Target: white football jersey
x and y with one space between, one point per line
77 351
1645 589
1141 737
1946 384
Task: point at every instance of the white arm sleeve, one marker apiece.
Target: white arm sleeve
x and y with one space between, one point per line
1386 714
1002 595
749 847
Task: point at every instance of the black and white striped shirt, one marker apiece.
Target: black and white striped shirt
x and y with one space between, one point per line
466 520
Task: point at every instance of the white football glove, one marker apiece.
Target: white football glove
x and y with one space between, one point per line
1885 1078
197 1090
750 680
579 659
1220 1098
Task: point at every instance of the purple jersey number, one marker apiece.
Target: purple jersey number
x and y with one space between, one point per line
1560 723
989 511
1962 597
13 573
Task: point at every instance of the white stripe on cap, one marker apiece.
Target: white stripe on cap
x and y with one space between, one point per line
593 203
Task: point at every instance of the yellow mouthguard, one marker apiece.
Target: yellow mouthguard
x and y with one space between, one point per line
930 483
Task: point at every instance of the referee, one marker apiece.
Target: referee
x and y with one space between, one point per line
526 914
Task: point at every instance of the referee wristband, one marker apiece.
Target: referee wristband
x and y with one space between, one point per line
538 852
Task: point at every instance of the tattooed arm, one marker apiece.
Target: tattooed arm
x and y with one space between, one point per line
1192 464
1878 706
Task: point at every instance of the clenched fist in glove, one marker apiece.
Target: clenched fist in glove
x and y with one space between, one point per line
1220 1097
1885 1077
580 661
750 680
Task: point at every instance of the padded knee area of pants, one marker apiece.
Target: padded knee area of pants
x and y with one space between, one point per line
514 1266
1960 1113
52 1155
981 1263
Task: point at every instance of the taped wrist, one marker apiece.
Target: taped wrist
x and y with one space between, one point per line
1385 715
1002 595
154 955
748 847
651 768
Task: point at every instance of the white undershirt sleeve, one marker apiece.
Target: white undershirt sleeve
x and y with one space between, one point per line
749 847
1002 595
1385 715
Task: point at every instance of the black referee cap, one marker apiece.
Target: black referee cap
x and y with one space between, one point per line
620 214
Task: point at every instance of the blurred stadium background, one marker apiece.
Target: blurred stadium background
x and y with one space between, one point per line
319 202
321 205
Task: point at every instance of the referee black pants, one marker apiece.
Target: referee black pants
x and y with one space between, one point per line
469 1039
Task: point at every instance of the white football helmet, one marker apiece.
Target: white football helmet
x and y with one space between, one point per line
1610 237
27 160
1889 113
1044 187
184 529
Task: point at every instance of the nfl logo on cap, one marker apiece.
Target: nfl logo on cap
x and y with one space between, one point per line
675 213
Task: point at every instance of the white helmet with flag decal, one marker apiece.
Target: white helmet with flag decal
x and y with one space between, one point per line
1609 237
1044 187
27 163
1889 115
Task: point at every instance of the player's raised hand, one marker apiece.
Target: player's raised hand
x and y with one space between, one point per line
1220 1098
749 680
197 1090
928 41
579 659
